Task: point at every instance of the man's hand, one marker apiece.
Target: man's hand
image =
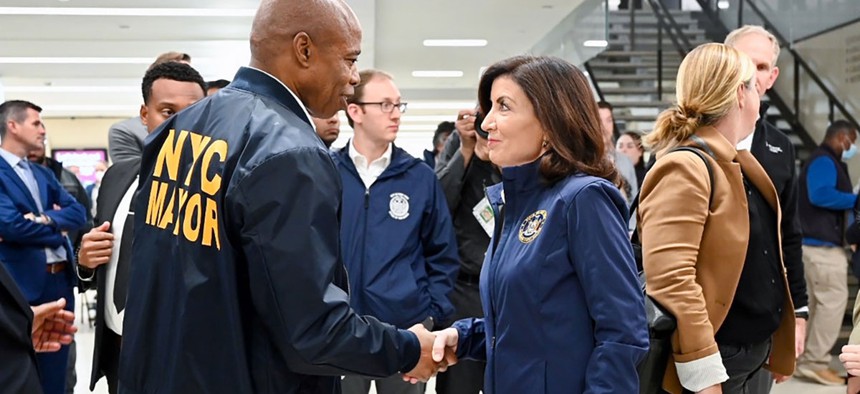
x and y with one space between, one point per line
466 128
799 336
52 326
96 247
426 367
850 358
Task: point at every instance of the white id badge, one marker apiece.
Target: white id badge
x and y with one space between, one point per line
484 214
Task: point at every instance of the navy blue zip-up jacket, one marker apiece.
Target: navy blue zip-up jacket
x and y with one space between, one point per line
562 305
398 241
236 283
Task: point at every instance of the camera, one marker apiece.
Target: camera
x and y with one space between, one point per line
479 118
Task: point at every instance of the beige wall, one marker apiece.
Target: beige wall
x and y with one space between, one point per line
79 132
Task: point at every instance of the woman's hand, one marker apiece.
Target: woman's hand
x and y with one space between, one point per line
715 389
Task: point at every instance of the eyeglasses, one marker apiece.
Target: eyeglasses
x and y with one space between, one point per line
386 106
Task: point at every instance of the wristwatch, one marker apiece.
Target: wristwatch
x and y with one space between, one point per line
801 315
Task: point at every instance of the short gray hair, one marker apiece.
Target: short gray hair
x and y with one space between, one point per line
736 34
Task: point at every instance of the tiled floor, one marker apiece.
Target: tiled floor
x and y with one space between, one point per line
85 352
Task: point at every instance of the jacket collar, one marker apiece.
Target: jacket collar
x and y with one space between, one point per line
9 172
710 140
515 180
264 84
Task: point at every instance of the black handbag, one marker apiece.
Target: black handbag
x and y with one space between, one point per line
661 323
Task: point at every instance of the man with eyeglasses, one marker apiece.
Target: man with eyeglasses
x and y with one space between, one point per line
397 240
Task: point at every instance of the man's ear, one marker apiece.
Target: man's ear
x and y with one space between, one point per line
143 112
774 74
354 112
302 48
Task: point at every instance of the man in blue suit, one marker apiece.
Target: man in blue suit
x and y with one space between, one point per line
35 214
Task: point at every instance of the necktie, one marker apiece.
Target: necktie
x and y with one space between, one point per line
120 287
30 182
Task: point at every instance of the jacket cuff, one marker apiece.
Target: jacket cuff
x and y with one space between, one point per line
700 374
410 352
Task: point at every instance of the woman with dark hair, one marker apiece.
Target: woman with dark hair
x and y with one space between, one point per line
630 144
563 309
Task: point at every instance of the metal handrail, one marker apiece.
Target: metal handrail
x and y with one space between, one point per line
679 40
675 31
590 73
798 61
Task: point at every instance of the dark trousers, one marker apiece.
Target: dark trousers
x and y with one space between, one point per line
467 377
744 367
52 366
71 373
109 358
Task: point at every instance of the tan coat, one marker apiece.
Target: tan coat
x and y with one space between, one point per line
693 256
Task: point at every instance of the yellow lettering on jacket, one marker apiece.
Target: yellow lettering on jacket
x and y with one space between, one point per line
183 195
169 154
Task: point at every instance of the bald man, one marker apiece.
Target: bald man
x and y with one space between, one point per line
241 288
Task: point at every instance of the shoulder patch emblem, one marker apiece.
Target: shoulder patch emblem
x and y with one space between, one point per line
532 226
398 206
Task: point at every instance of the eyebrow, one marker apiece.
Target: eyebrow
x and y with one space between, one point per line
503 97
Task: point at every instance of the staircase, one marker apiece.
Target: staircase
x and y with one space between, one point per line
627 72
627 75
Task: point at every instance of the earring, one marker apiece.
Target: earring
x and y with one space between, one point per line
545 143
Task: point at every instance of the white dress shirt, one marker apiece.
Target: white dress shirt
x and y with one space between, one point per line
113 319
369 171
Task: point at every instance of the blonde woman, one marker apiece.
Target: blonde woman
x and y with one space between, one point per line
711 249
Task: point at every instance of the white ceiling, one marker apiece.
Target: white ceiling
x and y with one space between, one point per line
392 41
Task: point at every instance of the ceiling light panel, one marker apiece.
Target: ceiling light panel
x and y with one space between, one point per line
455 43
97 11
437 73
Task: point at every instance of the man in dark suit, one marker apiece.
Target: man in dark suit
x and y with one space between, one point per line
167 88
43 328
35 214
775 152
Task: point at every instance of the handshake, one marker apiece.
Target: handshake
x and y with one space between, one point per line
438 352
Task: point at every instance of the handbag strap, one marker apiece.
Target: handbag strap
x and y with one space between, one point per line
698 150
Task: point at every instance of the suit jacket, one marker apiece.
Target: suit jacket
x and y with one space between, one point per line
775 152
125 139
694 249
114 185
19 373
23 247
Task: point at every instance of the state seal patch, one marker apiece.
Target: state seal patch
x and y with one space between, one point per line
398 206
532 226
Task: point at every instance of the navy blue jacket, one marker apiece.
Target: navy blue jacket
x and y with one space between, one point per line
236 282
400 253
825 198
562 304
24 241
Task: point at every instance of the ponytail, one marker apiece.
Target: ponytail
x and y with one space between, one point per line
673 126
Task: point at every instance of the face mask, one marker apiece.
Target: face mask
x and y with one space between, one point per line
849 153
